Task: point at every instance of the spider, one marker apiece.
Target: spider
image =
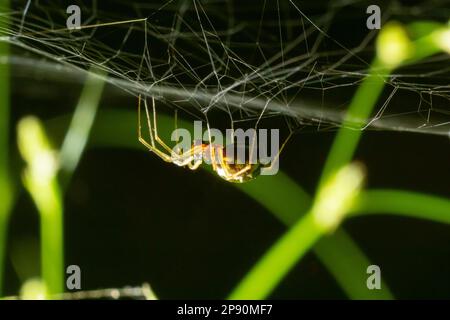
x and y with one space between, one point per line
192 158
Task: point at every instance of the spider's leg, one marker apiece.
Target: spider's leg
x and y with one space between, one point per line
155 128
176 124
224 166
188 157
212 149
149 125
177 151
196 161
179 159
150 146
242 171
194 165
277 157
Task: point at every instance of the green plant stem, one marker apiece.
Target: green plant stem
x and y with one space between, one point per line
81 124
323 217
338 252
43 185
279 194
360 108
425 45
403 203
349 269
278 260
52 241
40 179
367 94
5 183
52 237
48 200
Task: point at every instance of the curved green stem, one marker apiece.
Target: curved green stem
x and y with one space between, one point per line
44 189
404 203
338 252
349 269
360 108
80 126
278 260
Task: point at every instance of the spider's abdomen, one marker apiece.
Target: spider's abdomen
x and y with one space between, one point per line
251 173
238 166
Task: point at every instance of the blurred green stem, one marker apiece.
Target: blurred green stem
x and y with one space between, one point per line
394 49
328 209
360 108
276 263
5 183
341 256
404 203
349 266
278 260
78 133
52 240
40 179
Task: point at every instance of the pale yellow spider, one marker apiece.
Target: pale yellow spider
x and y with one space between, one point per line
192 158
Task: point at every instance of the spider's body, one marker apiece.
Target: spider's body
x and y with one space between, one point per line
231 171
213 154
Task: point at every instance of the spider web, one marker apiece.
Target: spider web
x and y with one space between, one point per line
143 292
246 59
